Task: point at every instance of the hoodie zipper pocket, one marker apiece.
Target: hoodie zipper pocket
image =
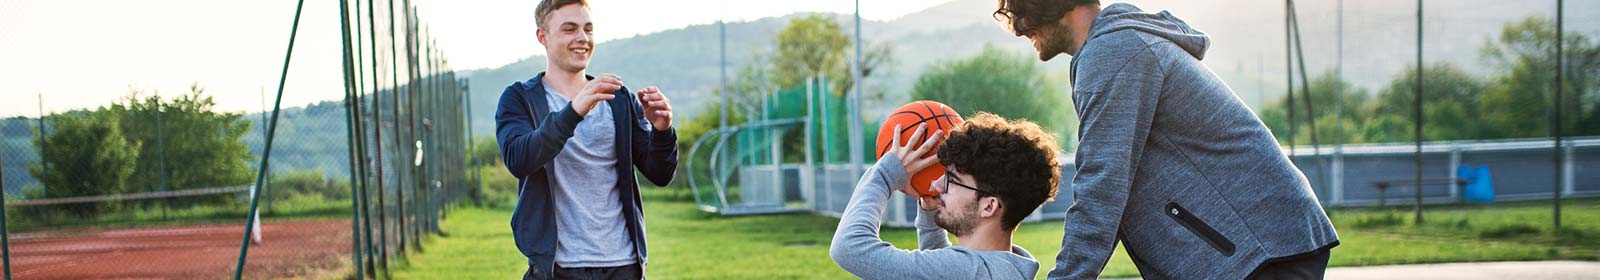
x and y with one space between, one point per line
1198 227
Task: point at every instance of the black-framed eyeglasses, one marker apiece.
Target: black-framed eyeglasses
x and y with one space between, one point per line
949 179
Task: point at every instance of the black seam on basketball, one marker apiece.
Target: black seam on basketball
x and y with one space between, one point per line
914 124
925 106
948 111
945 114
903 131
918 114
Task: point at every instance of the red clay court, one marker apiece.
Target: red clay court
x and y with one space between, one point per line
288 249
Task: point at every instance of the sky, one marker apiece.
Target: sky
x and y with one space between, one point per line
82 54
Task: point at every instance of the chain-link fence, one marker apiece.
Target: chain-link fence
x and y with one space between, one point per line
1337 82
163 186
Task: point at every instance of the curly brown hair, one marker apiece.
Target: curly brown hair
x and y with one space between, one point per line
1022 16
1013 160
542 12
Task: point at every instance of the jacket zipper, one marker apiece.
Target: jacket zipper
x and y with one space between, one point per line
1198 227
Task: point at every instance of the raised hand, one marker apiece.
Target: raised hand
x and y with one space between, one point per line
600 88
916 158
657 108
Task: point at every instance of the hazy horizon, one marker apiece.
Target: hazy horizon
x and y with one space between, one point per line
235 49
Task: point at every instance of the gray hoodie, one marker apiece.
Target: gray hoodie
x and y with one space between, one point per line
1173 164
858 249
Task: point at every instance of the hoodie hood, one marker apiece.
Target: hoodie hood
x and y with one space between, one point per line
1023 265
1121 16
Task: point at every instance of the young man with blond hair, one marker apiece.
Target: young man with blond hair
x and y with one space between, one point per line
573 141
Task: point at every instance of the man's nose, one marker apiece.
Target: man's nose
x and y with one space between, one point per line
583 37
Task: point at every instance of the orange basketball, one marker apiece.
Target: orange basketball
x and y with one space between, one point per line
938 117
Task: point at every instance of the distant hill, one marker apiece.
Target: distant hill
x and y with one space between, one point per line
684 61
1247 51
16 149
1247 47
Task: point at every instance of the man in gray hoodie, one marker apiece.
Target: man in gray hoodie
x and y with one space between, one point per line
996 173
1170 162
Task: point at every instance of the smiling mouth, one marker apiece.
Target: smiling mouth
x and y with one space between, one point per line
580 50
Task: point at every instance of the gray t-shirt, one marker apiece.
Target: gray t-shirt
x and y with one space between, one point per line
590 229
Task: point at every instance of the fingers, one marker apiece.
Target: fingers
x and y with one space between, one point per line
604 88
658 106
644 94
648 90
914 150
607 79
928 202
918 134
659 114
606 84
894 145
922 163
932 141
660 103
601 87
652 99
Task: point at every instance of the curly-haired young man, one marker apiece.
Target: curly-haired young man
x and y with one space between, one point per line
997 172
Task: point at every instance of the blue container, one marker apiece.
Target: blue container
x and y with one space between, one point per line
1480 185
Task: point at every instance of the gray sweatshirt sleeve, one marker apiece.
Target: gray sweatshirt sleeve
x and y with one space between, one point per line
929 235
858 249
1115 123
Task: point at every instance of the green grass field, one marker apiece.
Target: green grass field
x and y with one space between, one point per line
688 244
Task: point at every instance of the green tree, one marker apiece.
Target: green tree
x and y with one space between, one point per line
486 152
698 126
703 122
1323 88
202 147
291 187
1007 84
86 154
1448 110
1517 103
816 44
752 81
806 47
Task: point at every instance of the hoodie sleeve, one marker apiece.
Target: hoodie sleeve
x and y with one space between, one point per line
655 152
857 248
526 148
1115 123
929 235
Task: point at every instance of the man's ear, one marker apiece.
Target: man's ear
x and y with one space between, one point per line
540 33
989 206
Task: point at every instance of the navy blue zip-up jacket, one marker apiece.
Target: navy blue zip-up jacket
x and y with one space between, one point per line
530 136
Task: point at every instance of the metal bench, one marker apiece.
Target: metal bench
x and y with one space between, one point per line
1383 186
